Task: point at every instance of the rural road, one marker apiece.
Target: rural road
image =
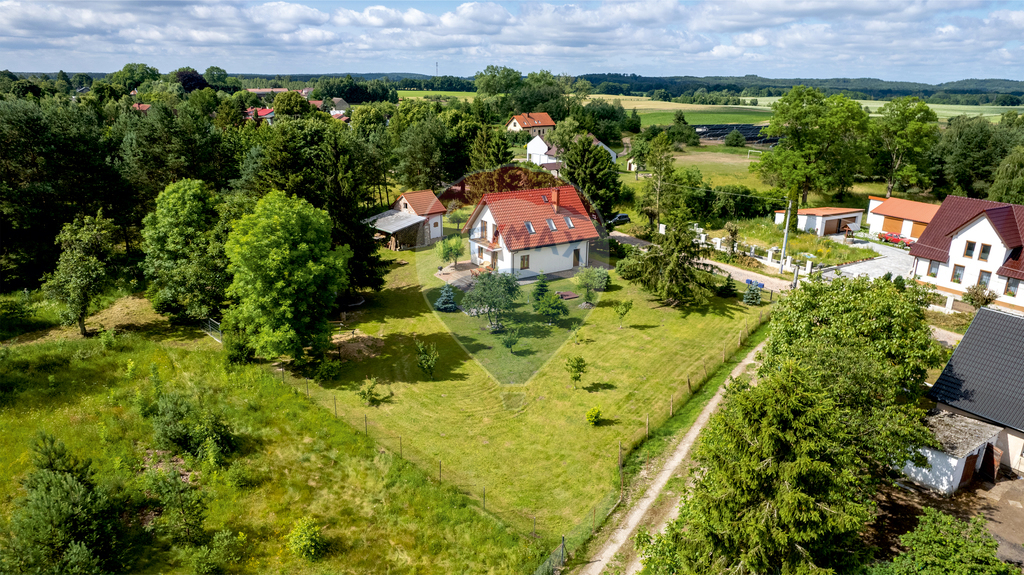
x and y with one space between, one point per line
769 282
641 506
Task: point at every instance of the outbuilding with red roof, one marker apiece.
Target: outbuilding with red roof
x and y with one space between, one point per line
529 232
905 218
824 221
415 219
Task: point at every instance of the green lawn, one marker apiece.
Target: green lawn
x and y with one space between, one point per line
707 115
527 443
764 232
380 514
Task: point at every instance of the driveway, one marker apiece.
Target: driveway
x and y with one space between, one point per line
894 260
624 239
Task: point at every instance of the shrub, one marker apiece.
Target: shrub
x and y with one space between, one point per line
591 280
510 338
184 508
108 339
370 394
328 370
753 295
426 357
446 301
727 289
306 539
735 139
979 295
594 415
180 424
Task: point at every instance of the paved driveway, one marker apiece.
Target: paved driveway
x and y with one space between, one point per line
894 260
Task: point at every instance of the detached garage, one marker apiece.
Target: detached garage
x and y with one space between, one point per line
901 217
824 221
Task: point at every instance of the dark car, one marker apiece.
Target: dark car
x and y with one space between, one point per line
619 219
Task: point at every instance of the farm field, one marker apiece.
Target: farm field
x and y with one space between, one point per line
943 111
425 93
293 458
707 115
528 443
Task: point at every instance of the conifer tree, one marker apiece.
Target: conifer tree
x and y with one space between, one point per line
446 301
753 295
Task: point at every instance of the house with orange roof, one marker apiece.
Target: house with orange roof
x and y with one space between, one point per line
824 221
415 219
905 218
536 123
529 232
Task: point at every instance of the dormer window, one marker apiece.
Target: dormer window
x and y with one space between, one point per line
529 228
551 224
545 198
568 222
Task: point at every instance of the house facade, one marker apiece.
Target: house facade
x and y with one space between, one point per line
536 123
529 232
540 152
423 203
983 381
898 216
971 242
823 221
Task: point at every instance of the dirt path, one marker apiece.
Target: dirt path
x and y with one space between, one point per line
945 337
624 531
742 274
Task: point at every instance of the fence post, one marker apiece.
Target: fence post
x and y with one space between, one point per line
620 470
648 426
688 388
400 446
485 499
438 470
534 534
702 362
724 345
563 549
335 406
366 426
307 387
672 399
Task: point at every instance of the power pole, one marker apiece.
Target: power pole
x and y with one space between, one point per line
785 236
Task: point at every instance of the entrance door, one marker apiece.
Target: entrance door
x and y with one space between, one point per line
990 464
575 257
968 475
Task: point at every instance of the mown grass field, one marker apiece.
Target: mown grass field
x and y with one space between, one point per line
528 443
707 115
943 111
379 513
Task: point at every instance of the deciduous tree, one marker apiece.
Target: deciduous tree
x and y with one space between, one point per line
493 295
286 276
944 545
906 130
81 274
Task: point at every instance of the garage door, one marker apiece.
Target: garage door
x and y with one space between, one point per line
918 229
892 225
831 227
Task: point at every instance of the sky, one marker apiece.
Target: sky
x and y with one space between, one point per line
921 41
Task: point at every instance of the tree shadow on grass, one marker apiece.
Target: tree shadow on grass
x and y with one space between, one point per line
598 386
642 327
606 422
612 288
393 302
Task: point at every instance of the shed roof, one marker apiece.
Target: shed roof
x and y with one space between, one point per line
906 209
391 221
423 202
985 375
959 435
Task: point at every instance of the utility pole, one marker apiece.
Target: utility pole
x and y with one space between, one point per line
785 236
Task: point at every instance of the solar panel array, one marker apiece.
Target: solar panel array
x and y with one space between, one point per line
719 131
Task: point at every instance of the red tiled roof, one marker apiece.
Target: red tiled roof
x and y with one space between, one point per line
1013 267
533 120
316 103
956 212
141 107
511 211
423 202
822 211
906 209
265 111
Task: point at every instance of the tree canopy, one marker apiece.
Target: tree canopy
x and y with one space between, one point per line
672 270
82 273
590 168
906 132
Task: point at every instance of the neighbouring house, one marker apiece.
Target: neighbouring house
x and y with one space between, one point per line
904 218
528 232
415 219
540 152
984 381
536 123
963 441
971 242
260 114
142 108
824 221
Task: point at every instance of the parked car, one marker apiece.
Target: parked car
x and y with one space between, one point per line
619 219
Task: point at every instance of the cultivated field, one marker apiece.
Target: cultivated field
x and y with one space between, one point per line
434 93
943 111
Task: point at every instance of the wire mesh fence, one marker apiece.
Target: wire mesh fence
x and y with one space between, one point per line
473 485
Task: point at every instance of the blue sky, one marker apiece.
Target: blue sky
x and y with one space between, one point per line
914 40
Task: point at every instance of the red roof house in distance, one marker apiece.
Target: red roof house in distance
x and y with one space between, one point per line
143 108
529 232
973 242
824 221
901 217
536 123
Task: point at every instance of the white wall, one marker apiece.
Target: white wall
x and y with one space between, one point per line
874 221
436 226
1011 442
550 259
944 475
535 152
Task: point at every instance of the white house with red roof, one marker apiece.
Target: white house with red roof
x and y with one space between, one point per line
536 123
898 216
529 232
971 242
824 221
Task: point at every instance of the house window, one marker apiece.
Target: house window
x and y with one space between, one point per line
524 262
405 206
958 274
435 224
984 278
1011 287
933 269
479 253
568 222
551 224
969 250
985 249
529 228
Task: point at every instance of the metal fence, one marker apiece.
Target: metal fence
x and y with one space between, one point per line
212 328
